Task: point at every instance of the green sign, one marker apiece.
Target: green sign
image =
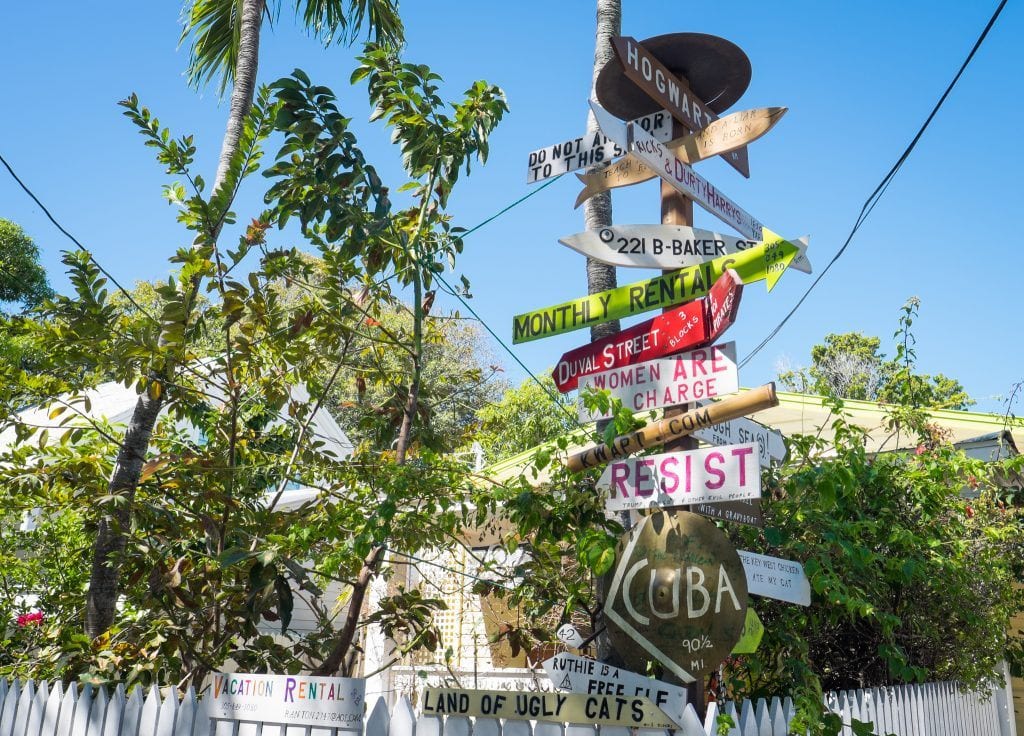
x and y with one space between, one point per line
750 639
764 262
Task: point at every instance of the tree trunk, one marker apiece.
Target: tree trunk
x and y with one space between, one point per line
101 601
597 211
244 87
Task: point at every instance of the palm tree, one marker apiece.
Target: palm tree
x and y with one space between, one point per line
225 42
597 211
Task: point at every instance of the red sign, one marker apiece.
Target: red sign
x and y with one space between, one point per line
687 326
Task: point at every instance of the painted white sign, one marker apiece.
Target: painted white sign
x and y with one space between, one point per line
574 674
334 702
783 580
651 151
710 475
703 373
666 246
770 445
590 149
570 636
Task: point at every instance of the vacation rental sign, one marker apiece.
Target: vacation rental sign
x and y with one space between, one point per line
336 702
766 262
703 373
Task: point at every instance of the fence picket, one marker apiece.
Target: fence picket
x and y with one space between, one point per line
613 731
10 709
403 720
35 716
167 714
132 717
81 722
97 713
710 715
543 728
185 724
572 729
115 712
429 726
460 726
67 710
512 728
25 705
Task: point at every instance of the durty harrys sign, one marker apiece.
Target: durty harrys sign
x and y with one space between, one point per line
678 595
695 323
703 373
575 674
727 473
333 702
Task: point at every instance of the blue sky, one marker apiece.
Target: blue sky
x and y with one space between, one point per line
858 80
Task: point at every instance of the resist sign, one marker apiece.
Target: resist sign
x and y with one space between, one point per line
729 473
699 374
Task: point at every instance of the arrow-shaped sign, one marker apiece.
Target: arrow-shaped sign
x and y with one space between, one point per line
672 93
773 577
589 149
766 262
666 246
675 172
722 136
690 325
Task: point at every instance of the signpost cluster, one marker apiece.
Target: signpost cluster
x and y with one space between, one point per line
678 593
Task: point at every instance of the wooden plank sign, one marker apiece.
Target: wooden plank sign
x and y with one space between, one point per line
571 673
589 149
680 478
772 577
666 246
670 428
671 92
722 136
684 327
771 447
703 373
741 512
606 710
766 262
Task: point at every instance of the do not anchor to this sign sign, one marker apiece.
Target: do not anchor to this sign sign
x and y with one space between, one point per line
589 149
695 323
576 674
606 710
783 580
698 374
679 592
335 702
679 478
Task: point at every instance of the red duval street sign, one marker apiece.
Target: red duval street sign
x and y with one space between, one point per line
710 475
703 373
690 325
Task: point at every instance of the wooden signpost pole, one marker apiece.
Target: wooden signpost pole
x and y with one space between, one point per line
677 209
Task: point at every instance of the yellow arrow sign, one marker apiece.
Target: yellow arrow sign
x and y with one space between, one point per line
766 261
753 630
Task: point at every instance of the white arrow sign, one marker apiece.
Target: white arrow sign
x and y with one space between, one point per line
666 246
651 151
783 580
575 674
770 445
590 149
703 373
713 474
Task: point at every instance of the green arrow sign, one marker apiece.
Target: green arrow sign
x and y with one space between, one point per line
766 261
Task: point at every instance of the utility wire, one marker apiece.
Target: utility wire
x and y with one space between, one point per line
876 195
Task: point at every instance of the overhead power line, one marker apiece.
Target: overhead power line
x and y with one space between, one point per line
876 195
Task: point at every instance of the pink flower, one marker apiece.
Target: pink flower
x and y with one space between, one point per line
36 617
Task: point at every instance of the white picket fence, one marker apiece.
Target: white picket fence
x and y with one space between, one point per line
933 709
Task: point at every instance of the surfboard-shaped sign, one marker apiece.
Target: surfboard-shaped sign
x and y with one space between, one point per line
666 246
720 137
